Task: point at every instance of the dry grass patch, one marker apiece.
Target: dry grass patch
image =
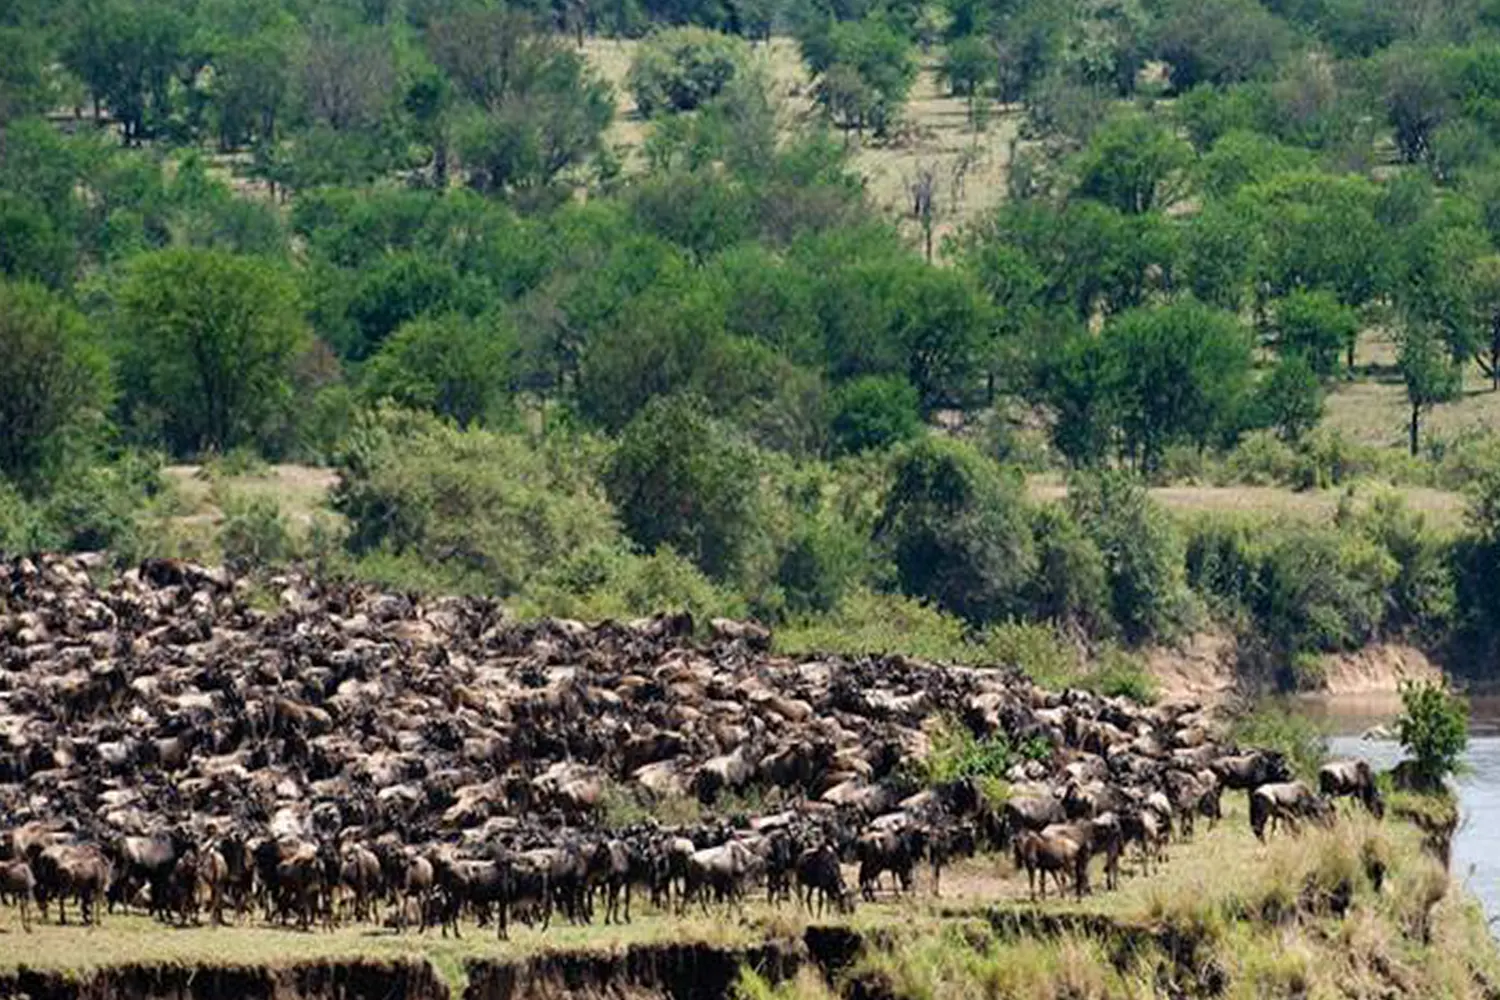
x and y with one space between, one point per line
971 168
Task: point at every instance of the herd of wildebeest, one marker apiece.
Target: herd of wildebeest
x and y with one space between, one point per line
178 742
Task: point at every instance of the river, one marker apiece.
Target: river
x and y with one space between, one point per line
1476 849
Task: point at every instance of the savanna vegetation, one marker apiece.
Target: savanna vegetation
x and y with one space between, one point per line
1236 243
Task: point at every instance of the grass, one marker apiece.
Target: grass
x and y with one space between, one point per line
1372 409
1297 916
970 167
1443 508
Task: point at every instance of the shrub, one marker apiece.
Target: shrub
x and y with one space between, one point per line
1422 596
873 413
819 564
456 367
1035 650
1261 459
683 68
1319 591
254 532
1142 554
866 622
1434 730
1223 560
1271 725
1118 674
1289 400
1316 327
958 530
681 478
55 378
955 753
483 509
1071 584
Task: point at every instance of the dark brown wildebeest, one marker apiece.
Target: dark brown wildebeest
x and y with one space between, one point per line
359 874
724 870
1352 778
820 877
18 885
149 861
896 850
607 867
67 871
1248 771
1286 802
417 882
1058 856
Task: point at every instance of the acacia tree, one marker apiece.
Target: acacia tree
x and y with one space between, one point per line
206 344
531 108
1430 373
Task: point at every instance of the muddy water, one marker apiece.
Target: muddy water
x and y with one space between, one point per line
1476 850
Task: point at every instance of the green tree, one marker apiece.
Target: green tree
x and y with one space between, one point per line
454 366
881 59
874 412
1134 164
1316 327
1484 291
679 478
958 530
56 379
681 69
1220 41
207 341
129 55
1183 371
251 87
969 66
1430 373
1142 553
1289 399
533 107
1434 731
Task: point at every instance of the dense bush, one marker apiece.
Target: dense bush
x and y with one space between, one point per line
1434 731
682 479
681 69
489 510
958 531
1141 551
56 382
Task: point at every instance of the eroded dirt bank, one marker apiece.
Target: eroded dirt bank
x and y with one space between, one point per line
354 980
689 971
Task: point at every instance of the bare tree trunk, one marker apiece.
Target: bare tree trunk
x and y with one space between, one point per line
1416 426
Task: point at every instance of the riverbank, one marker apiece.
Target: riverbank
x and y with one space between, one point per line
1360 904
1202 667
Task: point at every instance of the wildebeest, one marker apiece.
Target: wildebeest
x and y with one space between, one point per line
820 878
66 871
1193 794
1040 855
1353 778
1248 771
18 885
1286 802
1032 812
723 869
895 850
